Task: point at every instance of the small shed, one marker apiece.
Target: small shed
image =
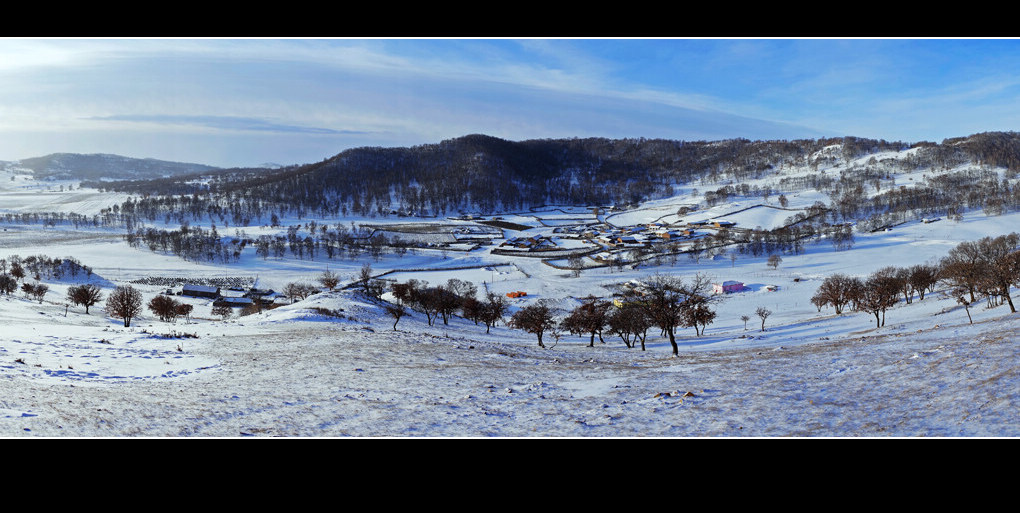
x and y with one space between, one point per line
727 286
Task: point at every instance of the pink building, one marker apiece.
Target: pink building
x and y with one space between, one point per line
727 287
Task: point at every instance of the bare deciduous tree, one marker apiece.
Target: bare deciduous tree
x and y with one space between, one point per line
576 264
365 276
590 317
630 322
329 279
223 311
835 291
879 293
493 310
764 313
165 307
125 302
396 310
536 318
84 295
184 310
923 278
8 284
669 300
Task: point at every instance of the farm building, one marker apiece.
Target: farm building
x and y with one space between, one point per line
530 243
673 234
627 241
233 301
727 286
200 291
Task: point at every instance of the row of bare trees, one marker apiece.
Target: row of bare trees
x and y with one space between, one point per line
877 292
443 301
668 302
987 267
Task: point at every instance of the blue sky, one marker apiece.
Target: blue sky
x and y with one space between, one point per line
241 102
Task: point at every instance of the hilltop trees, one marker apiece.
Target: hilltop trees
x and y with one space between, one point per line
169 309
298 291
222 311
444 300
961 268
698 314
365 276
923 278
842 237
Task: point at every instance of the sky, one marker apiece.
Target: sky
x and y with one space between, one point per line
248 102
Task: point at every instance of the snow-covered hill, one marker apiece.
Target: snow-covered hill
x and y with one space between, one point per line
76 166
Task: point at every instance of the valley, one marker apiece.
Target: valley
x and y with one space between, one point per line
334 363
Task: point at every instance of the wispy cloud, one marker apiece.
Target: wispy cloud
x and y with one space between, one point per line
232 123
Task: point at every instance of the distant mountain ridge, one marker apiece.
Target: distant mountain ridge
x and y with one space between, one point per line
77 166
487 174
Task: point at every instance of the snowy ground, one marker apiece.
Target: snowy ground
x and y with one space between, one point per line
295 371
292 373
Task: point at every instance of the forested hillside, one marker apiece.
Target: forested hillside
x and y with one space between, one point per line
486 174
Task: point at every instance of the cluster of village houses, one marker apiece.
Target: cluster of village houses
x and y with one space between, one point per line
233 297
632 237
617 238
608 237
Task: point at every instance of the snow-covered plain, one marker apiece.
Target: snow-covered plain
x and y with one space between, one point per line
300 370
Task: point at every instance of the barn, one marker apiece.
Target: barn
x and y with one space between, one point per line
233 301
200 291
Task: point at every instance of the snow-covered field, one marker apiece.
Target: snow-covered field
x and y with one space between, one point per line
299 371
